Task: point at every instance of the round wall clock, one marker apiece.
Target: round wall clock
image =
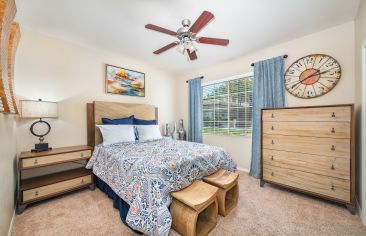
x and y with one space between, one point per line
312 76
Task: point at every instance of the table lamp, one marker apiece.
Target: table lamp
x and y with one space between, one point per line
39 109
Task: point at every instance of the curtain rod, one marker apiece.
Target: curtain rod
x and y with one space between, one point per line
284 56
198 77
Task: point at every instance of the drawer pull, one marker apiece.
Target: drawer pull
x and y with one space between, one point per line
272 142
333 130
332 188
332 168
81 154
36 193
35 161
272 116
333 114
272 158
82 181
272 173
333 148
272 128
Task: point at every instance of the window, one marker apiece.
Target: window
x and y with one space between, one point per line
227 106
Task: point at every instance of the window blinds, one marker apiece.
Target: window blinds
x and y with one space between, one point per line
227 107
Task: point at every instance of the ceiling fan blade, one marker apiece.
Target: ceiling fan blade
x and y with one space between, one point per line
201 22
215 41
160 29
192 55
167 47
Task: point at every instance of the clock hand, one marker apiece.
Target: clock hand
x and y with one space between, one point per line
314 74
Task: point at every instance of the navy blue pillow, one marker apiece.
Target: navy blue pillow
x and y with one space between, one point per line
120 121
143 122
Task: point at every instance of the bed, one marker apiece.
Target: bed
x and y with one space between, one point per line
140 176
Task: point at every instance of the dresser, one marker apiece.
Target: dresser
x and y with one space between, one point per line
57 182
310 149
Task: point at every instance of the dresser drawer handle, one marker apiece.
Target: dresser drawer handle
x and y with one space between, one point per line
333 148
332 188
333 130
36 193
333 114
272 128
272 173
81 154
272 116
82 181
332 168
35 161
272 158
272 142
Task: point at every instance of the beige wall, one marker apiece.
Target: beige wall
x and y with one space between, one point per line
337 42
72 75
360 39
7 173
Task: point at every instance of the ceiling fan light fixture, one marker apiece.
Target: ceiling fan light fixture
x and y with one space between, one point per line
192 48
187 36
181 48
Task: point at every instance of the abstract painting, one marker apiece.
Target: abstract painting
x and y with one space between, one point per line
124 81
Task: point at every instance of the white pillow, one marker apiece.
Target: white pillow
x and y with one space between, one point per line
148 132
117 133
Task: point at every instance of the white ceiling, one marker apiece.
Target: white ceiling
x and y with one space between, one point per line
118 25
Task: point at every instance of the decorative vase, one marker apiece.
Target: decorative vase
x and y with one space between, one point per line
175 132
167 128
181 131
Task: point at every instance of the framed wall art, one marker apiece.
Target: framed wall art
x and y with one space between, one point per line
124 81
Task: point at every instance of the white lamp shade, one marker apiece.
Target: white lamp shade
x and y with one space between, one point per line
38 109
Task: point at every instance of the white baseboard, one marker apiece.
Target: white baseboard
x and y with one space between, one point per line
358 207
10 232
243 169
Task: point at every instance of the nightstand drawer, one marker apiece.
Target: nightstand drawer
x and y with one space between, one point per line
54 159
54 189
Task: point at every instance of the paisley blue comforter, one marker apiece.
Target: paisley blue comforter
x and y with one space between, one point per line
144 174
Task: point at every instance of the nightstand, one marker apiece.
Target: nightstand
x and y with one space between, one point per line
53 184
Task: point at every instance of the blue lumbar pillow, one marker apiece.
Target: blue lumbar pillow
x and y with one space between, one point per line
120 121
143 122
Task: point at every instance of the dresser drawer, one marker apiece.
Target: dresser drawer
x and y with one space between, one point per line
53 189
311 129
319 184
323 165
308 145
341 113
58 158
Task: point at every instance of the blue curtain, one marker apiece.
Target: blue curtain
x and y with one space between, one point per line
268 92
195 111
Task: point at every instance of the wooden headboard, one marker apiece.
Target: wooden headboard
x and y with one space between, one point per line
113 110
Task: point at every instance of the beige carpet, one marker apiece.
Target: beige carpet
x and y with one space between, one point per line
261 211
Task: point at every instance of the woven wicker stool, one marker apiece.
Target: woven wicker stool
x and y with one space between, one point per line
194 209
228 194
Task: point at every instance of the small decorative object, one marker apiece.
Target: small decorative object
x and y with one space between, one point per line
167 128
124 81
181 131
312 76
9 37
39 109
175 134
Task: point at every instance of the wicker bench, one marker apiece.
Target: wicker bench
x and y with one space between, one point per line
194 209
228 194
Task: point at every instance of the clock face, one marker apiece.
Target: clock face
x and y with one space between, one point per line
312 76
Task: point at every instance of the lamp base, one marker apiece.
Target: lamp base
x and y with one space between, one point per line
41 147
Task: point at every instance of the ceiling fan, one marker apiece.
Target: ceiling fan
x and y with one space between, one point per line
188 34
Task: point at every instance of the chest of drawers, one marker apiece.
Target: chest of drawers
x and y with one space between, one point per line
310 149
